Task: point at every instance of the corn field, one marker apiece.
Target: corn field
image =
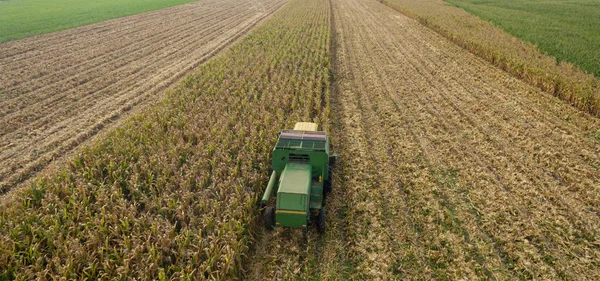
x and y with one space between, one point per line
450 166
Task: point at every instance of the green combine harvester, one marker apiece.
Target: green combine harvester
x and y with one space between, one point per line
301 163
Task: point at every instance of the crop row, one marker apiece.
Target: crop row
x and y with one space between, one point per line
172 192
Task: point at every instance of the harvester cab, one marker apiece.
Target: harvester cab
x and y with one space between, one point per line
301 177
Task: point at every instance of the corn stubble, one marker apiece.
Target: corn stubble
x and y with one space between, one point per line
171 194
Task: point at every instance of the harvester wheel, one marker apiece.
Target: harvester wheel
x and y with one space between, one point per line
269 217
321 221
326 187
327 184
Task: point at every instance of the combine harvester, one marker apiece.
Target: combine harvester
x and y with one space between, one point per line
302 160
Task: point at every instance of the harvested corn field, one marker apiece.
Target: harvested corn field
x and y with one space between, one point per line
453 169
60 89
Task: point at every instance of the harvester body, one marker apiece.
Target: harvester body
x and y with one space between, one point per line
292 203
300 178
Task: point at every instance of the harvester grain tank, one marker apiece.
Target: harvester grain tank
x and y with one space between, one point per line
301 161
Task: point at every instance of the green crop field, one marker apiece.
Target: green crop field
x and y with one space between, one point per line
567 30
24 18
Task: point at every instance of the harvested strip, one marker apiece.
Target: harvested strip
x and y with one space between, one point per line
58 90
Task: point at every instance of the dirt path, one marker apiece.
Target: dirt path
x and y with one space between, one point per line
61 89
452 168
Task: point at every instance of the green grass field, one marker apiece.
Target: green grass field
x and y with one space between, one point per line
24 18
567 30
